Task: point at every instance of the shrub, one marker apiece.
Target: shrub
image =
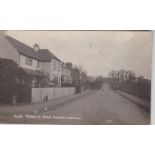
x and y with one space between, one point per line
14 81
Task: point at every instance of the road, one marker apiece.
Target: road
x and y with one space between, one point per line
97 107
100 107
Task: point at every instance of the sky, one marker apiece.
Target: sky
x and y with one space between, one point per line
98 52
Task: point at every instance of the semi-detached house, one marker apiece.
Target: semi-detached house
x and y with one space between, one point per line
39 63
66 75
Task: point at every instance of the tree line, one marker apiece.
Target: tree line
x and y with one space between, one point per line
126 80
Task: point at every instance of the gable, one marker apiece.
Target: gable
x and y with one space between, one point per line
23 48
7 51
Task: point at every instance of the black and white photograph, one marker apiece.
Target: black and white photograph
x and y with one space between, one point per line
75 77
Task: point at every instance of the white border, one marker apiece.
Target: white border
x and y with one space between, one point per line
77 15
153 83
81 15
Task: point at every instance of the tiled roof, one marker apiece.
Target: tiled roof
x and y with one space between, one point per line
46 55
22 48
42 54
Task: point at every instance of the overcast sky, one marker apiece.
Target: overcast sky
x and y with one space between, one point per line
98 52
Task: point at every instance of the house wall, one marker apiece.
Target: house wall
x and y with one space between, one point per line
32 67
7 51
46 67
75 77
66 73
56 70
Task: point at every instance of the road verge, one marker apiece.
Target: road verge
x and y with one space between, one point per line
144 104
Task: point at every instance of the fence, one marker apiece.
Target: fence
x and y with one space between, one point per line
45 94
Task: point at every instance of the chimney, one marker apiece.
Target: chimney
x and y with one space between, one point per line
69 65
36 47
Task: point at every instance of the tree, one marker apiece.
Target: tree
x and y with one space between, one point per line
14 81
126 80
122 75
131 76
113 75
83 78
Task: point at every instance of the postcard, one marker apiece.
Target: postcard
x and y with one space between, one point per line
75 77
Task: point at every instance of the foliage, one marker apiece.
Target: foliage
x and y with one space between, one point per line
128 82
95 83
14 81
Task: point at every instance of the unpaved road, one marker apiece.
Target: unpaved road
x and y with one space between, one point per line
101 107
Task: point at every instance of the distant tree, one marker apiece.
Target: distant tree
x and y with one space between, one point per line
131 76
69 65
113 76
84 78
140 79
75 76
122 75
97 82
127 81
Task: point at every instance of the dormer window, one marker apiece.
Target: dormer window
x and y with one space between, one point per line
28 61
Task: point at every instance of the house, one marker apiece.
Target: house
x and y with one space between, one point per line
75 74
6 49
66 77
76 79
51 65
41 64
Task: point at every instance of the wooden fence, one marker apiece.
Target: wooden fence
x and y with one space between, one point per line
45 94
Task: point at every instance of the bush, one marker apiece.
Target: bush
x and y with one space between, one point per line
141 89
14 81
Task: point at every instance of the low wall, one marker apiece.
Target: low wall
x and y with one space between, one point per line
44 94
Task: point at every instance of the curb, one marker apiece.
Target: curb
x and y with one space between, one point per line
62 103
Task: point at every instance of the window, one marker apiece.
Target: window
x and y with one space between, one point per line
28 61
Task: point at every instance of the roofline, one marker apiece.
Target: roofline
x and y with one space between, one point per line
36 58
53 57
27 55
57 59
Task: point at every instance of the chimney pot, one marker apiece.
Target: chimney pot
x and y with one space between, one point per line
36 47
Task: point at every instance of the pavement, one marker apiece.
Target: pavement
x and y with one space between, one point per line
91 108
142 103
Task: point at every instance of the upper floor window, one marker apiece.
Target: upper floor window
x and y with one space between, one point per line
28 61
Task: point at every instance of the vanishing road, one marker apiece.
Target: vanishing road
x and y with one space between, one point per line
96 107
99 107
